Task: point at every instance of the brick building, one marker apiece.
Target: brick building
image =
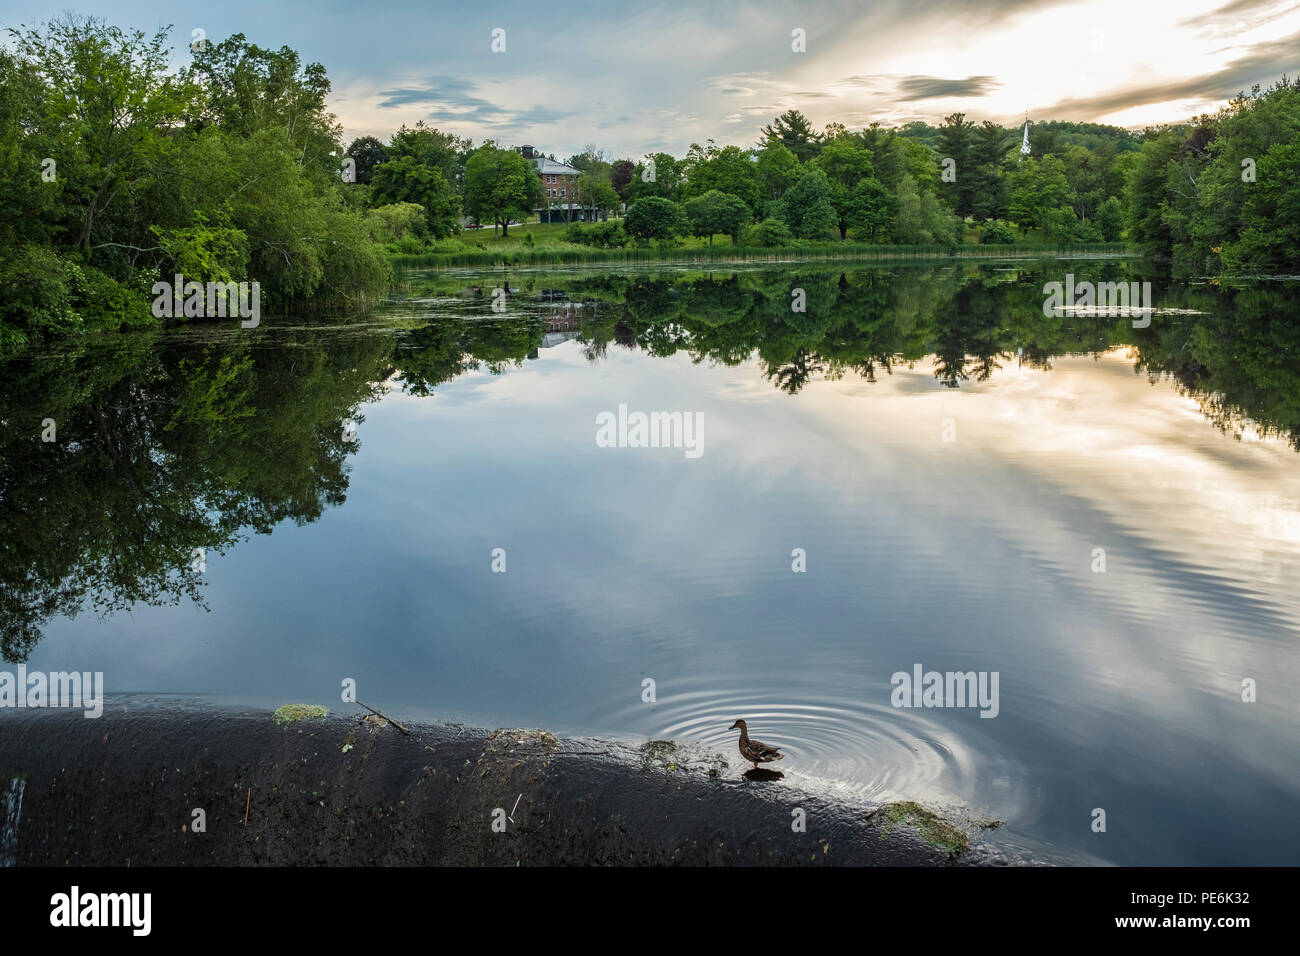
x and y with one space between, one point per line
559 190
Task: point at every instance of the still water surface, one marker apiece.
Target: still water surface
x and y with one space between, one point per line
949 460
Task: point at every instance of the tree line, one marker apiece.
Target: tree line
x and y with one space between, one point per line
116 170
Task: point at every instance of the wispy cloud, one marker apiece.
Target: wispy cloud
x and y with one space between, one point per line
932 87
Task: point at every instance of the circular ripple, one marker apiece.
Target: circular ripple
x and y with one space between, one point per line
874 750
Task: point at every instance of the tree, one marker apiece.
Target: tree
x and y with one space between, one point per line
227 169
502 185
658 175
249 88
654 217
620 177
807 206
407 180
717 212
1110 219
445 152
921 219
1270 234
845 163
112 99
728 170
26 201
956 140
988 187
594 192
591 159
1036 188
777 170
793 131
367 152
1145 195
869 210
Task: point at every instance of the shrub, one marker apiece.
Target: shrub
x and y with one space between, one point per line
36 293
768 233
654 217
104 303
602 235
996 233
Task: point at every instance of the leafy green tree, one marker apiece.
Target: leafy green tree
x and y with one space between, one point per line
807 206
445 152
1037 187
1146 197
728 170
1243 134
1110 219
248 89
659 174
654 217
869 211
921 218
206 252
501 185
594 191
846 163
27 199
392 222
1270 234
113 99
368 153
777 170
407 180
716 212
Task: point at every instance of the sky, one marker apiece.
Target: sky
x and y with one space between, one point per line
645 76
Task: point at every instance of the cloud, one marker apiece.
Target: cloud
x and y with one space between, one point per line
1239 15
449 96
1263 63
451 100
933 87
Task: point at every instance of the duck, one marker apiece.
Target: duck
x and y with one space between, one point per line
755 751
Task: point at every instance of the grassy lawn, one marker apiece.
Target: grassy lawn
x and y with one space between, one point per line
547 235
543 233
480 247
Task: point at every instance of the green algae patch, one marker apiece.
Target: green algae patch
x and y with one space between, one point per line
672 756
934 829
292 713
664 754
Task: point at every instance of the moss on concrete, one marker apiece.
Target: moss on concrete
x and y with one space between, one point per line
292 713
934 829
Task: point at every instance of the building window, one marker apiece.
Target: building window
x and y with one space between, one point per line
563 192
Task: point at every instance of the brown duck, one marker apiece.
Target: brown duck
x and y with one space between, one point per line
755 751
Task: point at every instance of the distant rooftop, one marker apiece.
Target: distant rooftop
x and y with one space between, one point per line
549 167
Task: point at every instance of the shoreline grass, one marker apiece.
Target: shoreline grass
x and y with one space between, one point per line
522 255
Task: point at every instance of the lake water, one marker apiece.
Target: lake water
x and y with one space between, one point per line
1106 517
